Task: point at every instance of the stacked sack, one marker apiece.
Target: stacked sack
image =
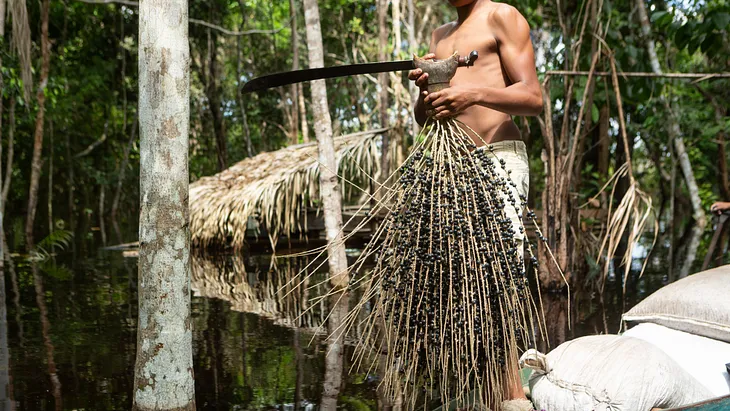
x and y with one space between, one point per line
674 354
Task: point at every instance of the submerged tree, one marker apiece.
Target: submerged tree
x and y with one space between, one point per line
164 365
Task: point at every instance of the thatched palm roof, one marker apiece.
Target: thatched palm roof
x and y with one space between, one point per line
275 188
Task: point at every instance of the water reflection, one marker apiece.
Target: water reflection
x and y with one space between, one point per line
46 333
258 285
6 389
254 349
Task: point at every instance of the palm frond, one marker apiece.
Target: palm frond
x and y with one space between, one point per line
55 239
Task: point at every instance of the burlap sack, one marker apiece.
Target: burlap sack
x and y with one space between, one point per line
698 304
609 373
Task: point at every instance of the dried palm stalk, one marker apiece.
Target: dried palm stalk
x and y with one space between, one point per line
630 218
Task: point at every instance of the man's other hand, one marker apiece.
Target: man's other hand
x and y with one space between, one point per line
720 207
451 101
418 76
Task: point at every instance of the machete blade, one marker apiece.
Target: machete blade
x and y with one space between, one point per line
298 76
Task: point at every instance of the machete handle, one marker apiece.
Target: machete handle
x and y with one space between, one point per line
468 60
440 72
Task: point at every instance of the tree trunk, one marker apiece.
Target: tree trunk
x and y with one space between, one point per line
6 403
164 364
412 49
303 113
9 157
35 174
396 80
720 114
5 387
603 143
40 297
123 168
2 200
102 227
674 130
214 102
22 43
50 177
2 21
300 89
294 119
244 116
383 86
332 206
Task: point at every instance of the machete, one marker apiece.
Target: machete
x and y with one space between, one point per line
298 76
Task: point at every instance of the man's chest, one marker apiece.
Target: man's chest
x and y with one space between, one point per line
464 39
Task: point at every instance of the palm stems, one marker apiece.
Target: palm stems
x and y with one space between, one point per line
448 302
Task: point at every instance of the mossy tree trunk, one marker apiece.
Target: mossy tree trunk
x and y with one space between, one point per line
164 364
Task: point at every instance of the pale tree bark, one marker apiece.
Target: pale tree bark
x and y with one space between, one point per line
674 130
300 89
303 113
35 173
383 103
294 119
332 206
22 44
397 85
412 49
164 365
2 18
397 40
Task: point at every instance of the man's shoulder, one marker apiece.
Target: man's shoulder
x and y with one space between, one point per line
503 14
507 22
442 30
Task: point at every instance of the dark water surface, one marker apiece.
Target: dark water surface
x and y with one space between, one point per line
252 350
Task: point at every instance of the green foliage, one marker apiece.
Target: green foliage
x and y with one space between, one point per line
44 249
93 88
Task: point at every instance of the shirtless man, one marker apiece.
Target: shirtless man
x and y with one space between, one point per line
502 83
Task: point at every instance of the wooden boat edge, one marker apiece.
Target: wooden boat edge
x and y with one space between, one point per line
714 404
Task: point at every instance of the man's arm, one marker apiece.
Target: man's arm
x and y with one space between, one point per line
521 98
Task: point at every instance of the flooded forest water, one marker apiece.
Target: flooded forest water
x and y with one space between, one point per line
252 349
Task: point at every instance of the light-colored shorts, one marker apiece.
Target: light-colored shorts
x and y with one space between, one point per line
514 154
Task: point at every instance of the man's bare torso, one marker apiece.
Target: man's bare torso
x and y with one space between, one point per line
474 34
